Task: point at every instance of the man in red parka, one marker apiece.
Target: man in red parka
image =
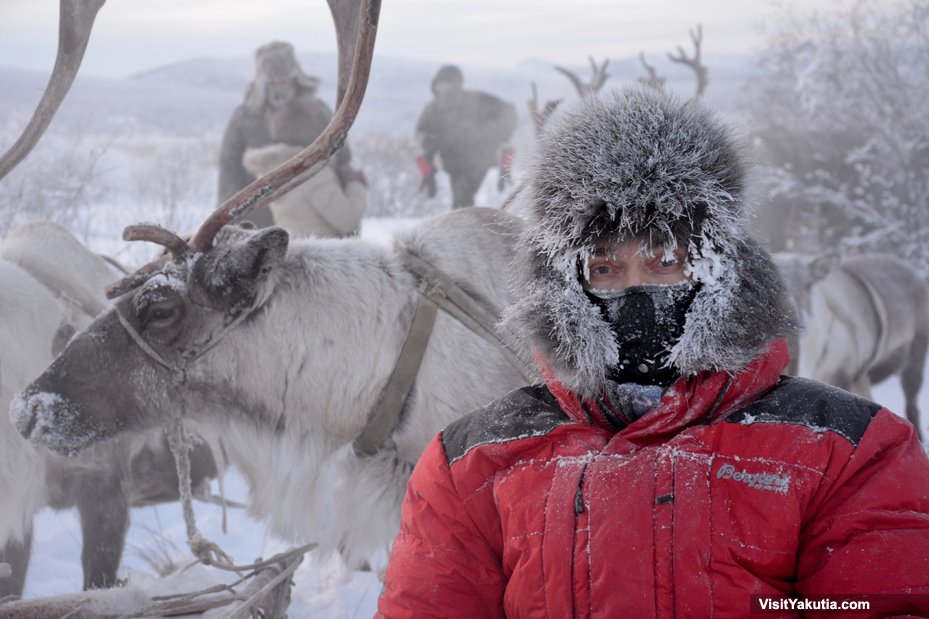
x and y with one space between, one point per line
665 468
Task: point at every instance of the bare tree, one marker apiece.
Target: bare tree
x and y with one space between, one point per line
393 179
56 184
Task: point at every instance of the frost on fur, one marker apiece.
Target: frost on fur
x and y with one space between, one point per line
638 164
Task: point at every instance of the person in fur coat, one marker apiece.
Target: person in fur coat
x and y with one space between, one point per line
665 467
280 116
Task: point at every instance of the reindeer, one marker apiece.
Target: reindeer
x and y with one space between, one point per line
597 79
50 286
867 319
654 80
286 351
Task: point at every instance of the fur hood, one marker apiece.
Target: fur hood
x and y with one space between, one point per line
640 164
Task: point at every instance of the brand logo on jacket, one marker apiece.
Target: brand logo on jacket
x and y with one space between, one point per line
762 481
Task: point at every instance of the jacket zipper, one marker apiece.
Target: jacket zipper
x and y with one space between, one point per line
579 495
578 510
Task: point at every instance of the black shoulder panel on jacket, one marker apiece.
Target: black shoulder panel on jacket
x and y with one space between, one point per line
820 407
527 412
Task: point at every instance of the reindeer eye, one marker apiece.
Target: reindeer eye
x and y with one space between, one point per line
162 310
161 313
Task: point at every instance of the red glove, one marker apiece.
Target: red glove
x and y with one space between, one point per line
425 166
506 165
427 171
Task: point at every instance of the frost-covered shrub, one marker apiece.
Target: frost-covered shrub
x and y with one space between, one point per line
839 108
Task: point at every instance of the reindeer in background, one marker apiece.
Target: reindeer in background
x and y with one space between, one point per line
51 286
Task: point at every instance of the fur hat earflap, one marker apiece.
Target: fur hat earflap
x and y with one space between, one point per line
639 164
276 61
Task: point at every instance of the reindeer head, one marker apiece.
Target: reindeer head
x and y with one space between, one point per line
125 370
138 362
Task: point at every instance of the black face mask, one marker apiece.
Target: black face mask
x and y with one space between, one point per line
647 321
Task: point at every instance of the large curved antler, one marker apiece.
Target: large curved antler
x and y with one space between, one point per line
345 18
291 173
75 21
310 160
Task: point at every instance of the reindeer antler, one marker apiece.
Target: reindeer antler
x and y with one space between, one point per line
285 177
540 116
75 21
653 80
597 79
156 234
694 63
310 160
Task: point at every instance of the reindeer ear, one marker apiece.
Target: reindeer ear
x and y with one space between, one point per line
238 269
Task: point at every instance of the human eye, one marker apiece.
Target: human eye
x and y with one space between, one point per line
601 273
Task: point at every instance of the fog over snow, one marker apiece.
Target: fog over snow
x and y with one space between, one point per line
134 36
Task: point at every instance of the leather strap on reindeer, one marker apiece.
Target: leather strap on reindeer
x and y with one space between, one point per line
178 369
384 417
436 290
454 300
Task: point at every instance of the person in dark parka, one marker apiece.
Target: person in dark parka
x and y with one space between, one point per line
469 130
280 108
665 467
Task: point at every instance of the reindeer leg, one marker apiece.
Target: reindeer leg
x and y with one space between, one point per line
912 380
464 185
16 554
862 386
104 508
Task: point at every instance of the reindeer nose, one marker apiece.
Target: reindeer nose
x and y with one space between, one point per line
24 411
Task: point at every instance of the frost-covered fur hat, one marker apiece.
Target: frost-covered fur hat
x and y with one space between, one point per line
276 61
638 164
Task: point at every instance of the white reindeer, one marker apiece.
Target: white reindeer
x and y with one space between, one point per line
282 350
866 319
51 286
281 353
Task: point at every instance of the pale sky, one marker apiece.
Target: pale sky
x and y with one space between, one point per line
135 35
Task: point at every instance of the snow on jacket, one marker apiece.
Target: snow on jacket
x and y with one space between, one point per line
542 506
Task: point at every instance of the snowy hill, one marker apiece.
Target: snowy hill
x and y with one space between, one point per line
197 96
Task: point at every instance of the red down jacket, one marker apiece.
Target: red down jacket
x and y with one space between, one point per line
758 484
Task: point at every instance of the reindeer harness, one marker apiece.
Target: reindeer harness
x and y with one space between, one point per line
178 370
436 290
